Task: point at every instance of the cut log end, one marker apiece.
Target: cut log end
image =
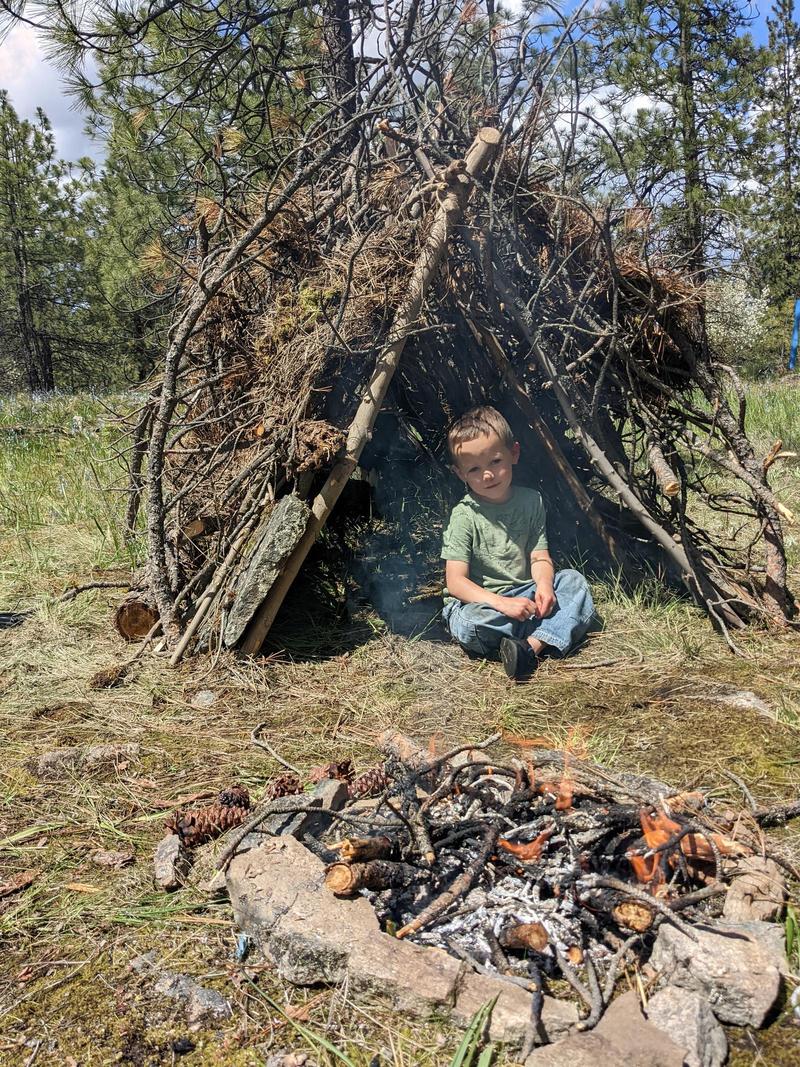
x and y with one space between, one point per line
135 617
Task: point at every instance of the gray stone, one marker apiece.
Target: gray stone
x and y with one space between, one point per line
512 1009
727 964
688 1020
202 1005
582 1050
415 979
313 940
771 937
757 891
639 1042
330 794
171 864
745 700
61 762
274 542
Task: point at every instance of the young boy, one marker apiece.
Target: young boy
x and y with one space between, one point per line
503 593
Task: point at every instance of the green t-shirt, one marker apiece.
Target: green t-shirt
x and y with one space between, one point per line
496 540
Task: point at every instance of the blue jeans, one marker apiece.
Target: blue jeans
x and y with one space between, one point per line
479 628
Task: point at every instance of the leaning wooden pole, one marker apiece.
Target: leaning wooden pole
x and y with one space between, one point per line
453 196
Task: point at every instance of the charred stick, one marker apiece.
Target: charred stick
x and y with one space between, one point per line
533 1030
345 879
319 850
462 884
778 814
513 979
607 882
284 806
595 993
571 976
714 890
498 956
614 967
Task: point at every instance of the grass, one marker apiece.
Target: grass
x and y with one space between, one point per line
651 703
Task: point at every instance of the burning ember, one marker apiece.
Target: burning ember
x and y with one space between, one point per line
526 869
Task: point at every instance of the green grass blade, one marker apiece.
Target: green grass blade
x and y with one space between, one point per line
308 1035
470 1043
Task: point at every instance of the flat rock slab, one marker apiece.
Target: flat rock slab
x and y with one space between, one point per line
280 900
757 891
61 762
583 1050
275 540
688 1020
512 1009
171 864
641 1043
202 1005
737 973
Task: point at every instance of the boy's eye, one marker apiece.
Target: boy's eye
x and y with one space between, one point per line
495 462
472 470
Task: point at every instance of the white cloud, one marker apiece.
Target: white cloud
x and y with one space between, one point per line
33 81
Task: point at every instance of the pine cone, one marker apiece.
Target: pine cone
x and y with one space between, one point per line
370 783
285 785
342 771
235 796
204 824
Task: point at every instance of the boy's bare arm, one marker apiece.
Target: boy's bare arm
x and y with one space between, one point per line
543 571
461 586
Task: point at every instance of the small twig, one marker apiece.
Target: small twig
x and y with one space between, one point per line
595 993
72 591
745 791
714 890
534 1029
616 962
261 743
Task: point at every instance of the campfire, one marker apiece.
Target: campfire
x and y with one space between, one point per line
529 868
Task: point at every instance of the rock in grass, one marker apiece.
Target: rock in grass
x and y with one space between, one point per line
171 864
738 974
202 1005
61 762
688 1020
757 892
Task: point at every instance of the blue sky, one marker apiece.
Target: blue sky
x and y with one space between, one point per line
34 82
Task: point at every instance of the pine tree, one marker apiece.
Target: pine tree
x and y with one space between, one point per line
775 201
680 80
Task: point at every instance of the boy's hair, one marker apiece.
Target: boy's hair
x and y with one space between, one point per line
475 423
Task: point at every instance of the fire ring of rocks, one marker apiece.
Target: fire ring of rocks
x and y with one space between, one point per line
445 883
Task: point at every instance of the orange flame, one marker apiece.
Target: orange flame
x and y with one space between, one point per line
657 829
530 850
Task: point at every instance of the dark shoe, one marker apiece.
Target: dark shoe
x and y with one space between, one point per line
518 658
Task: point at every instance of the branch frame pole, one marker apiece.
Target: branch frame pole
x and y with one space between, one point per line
451 207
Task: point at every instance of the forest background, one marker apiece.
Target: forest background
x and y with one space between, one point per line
700 101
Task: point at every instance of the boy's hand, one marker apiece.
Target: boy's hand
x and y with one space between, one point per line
545 601
519 608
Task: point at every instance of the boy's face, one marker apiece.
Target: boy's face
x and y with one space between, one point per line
485 466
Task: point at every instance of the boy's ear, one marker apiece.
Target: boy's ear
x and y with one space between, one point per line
456 471
515 452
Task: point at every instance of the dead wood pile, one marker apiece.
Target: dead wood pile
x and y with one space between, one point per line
443 260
